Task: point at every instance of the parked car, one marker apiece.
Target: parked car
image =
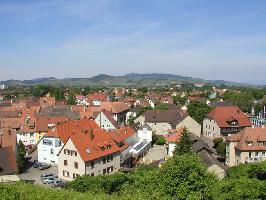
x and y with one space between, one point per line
44 176
36 164
59 183
49 180
43 166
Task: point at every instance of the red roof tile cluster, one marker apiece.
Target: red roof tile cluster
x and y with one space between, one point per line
250 139
114 107
97 96
174 135
43 122
224 115
122 134
89 139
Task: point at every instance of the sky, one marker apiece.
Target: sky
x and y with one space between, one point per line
210 39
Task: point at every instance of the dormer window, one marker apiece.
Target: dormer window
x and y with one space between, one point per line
250 144
262 143
88 151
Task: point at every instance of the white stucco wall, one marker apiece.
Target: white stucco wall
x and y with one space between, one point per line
104 122
47 153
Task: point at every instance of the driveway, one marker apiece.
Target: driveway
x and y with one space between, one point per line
31 173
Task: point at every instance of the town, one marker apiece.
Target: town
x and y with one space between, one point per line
132 100
52 135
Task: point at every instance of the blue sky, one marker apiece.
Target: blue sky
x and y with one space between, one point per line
211 39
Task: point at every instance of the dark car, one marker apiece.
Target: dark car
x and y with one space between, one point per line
36 164
43 166
59 183
43 176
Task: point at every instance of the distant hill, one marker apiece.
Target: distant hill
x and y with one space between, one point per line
126 80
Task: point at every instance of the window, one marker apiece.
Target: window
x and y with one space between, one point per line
104 160
75 175
74 153
52 151
57 143
65 162
66 151
263 154
31 134
104 171
249 154
47 142
76 165
250 143
257 154
65 173
110 169
92 164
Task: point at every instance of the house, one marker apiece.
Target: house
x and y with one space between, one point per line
212 164
207 156
142 103
105 120
81 100
88 150
47 101
223 121
166 100
247 146
96 99
161 121
118 109
191 125
44 124
8 149
135 145
133 112
49 147
172 138
26 134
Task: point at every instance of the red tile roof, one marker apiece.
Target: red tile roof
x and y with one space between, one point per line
249 134
223 115
122 134
114 107
174 135
42 122
89 139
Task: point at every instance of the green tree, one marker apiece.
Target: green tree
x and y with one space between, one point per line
217 141
184 146
180 100
184 177
221 148
161 106
131 120
160 141
71 100
21 152
198 111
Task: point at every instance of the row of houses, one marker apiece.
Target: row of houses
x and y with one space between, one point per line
81 147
